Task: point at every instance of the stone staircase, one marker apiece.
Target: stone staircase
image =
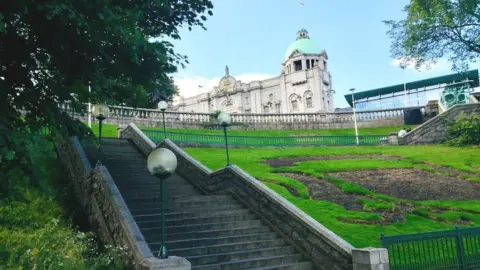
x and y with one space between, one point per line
210 231
434 130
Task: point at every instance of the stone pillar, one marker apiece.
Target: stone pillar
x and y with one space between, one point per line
370 259
393 138
120 128
432 108
171 263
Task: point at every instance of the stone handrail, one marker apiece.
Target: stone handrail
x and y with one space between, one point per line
324 248
325 117
108 214
434 130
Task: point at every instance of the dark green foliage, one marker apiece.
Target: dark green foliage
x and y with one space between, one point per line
52 50
464 131
437 29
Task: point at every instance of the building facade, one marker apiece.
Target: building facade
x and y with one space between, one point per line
303 86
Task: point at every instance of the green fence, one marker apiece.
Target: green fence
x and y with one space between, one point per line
209 139
454 249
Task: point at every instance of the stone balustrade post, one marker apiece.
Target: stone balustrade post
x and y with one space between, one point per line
393 138
370 259
432 108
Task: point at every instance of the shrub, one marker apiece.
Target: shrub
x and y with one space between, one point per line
34 236
34 233
464 131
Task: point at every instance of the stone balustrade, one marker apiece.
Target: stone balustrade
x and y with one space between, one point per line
153 117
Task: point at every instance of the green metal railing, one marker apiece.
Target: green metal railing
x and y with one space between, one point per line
454 249
210 139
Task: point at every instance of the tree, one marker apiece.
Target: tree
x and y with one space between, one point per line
435 29
51 49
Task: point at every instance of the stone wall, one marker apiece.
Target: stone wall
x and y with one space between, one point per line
324 248
434 130
107 212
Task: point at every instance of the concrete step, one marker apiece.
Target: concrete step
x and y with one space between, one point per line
240 255
194 208
253 263
293 266
181 199
197 251
202 227
179 205
154 189
210 233
189 215
205 242
155 220
127 194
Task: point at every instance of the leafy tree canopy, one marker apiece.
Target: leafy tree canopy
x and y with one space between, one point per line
435 29
52 50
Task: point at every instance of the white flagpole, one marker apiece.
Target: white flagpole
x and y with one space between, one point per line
89 109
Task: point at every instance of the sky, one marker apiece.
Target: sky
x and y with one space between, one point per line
251 37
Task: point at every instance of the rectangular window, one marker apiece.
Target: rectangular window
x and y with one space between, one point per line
298 65
309 102
308 63
278 108
248 111
265 109
324 64
247 100
294 105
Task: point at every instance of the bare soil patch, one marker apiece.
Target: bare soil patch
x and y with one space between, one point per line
319 189
282 162
413 184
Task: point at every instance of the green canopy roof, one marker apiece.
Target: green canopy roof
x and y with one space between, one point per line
457 77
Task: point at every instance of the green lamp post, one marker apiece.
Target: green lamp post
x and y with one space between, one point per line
225 119
101 112
162 163
163 105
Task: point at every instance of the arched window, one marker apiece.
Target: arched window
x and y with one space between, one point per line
308 96
294 98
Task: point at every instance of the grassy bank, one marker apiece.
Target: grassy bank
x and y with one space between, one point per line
288 133
423 217
36 210
110 130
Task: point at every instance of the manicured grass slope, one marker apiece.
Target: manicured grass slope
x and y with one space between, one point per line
286 133
108 130
327 213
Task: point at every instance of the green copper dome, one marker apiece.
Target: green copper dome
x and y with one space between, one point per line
303 44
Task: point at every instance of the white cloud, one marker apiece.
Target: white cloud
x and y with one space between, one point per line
189 84
442 65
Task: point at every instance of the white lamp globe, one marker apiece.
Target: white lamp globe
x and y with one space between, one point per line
162 105
161 162
101 110
402 133
224 119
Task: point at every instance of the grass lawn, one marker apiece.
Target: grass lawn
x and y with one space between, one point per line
108 130
423 217
288 133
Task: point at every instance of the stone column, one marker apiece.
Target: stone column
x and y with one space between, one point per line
370 259
393 138
432 108
120 128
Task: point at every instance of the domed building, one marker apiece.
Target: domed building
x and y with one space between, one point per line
304 85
